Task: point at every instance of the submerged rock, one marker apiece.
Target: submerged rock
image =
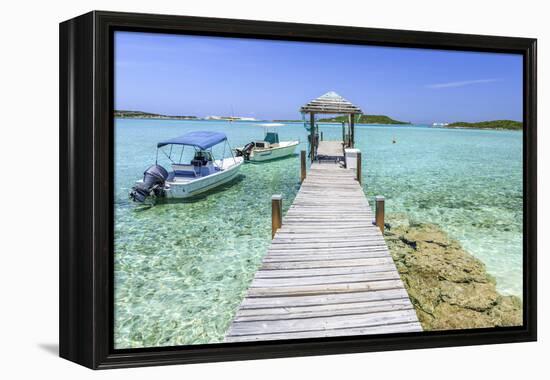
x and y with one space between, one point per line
449 288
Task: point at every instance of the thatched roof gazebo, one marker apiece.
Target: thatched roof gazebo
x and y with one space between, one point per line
331 103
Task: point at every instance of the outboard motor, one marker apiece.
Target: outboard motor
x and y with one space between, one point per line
153 183
245 151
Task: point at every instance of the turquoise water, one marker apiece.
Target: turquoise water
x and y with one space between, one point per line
182 268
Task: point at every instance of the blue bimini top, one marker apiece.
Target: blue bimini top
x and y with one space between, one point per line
200 139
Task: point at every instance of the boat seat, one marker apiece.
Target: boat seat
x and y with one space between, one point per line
184 170
199 162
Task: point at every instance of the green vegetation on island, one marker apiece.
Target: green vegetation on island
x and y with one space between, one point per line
492 124
366 119
146 115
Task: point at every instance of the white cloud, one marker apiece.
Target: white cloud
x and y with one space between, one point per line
462 83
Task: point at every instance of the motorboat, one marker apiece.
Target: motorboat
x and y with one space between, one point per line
269 148
202 173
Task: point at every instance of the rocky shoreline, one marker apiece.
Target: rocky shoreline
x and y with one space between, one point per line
449 288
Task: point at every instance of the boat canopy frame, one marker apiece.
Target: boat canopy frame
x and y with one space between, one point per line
200 139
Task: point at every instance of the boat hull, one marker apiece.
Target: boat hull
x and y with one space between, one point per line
185 187
178 189
259 155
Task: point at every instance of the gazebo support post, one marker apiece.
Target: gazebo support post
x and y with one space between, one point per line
312 135
352 130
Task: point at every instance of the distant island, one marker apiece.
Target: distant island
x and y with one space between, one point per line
147 115
123 114
365 119
492 124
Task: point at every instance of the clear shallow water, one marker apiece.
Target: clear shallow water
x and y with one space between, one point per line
182 268
469 182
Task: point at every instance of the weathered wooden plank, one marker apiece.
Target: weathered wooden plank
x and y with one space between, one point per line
305 290
319 221
300 228
307 236
328 245
317 239
275 256
286 258
326 248
275 314
271 312
327 272
382 329
325 299
294 226
337 252
319 280
325 323
311 234
328 214
328 263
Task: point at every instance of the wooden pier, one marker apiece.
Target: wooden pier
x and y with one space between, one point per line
330 151
328 271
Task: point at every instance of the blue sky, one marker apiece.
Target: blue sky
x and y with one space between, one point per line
192 75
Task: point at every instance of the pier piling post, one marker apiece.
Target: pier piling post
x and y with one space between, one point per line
358 165
276 213
321 135
380 212
302 165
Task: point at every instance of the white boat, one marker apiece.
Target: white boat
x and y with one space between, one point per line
269 148
201 174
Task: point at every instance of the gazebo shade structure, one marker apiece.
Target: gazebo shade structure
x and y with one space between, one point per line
330 103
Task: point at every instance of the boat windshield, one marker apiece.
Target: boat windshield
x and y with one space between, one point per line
272 137
202 157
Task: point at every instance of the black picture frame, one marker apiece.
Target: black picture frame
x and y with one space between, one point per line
86 188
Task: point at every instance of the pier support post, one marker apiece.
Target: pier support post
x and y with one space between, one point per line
302 166
321 135
358 168
380 212
276 213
